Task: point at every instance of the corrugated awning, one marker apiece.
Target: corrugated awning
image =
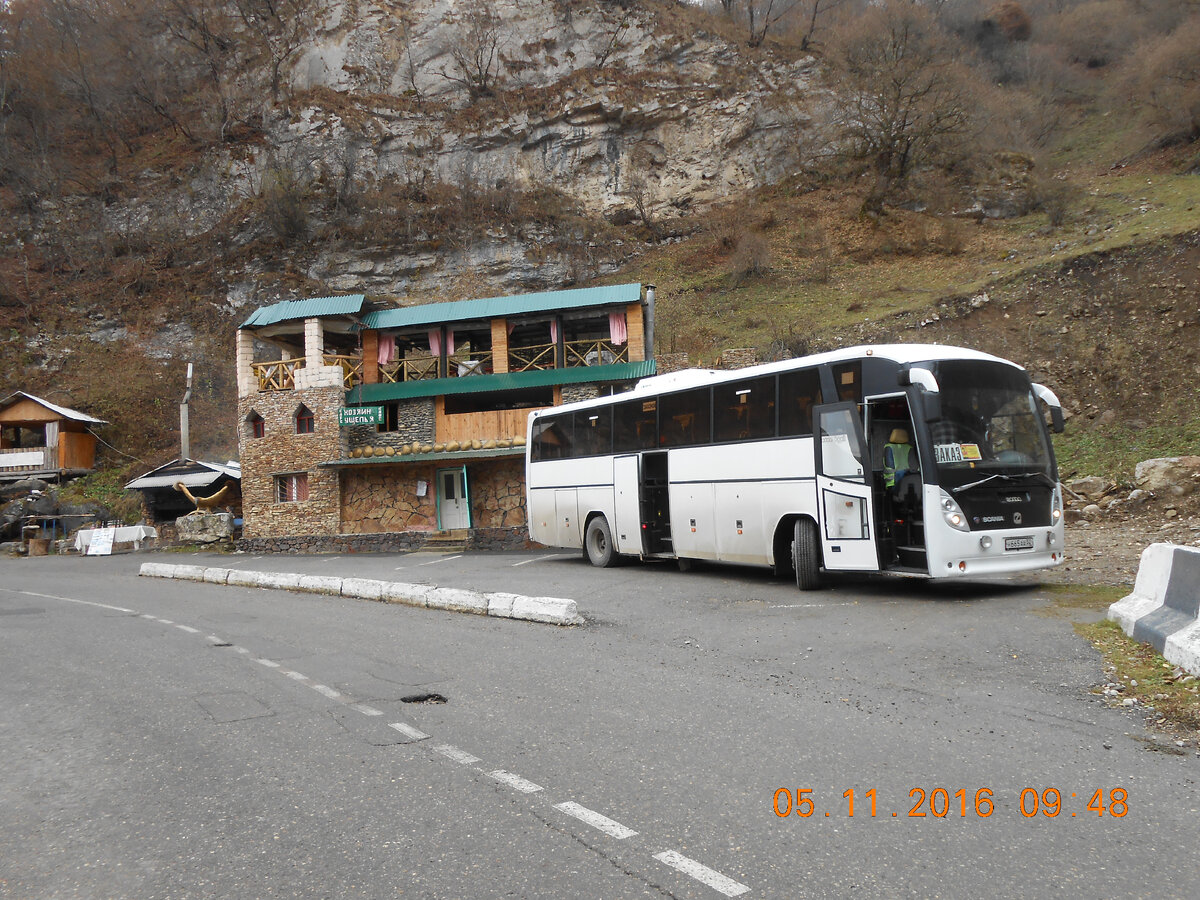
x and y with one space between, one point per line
425 457
315 307
502 307
511 381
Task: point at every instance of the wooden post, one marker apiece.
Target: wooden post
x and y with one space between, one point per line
370 352
499 346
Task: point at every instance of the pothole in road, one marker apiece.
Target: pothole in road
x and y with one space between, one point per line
423 698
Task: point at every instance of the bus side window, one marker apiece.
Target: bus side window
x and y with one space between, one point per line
635 425
593 431
745 410
684 418
552 438
848 378
799 392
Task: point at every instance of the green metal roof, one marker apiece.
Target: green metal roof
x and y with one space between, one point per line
496 307
479 384
430 457
287 310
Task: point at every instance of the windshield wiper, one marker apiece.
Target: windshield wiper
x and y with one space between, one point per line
1003 477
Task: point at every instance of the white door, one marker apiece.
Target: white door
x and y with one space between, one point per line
453 508
844 490
627 529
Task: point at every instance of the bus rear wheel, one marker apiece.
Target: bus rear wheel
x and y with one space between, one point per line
806 555
597 542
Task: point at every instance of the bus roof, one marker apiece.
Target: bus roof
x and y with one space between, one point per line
898 353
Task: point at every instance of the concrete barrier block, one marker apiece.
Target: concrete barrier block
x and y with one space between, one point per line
245 578
457 600
214 575
1164 608
189 573
552 610
320 584
408 594
157 570
363 588
500 604
284 581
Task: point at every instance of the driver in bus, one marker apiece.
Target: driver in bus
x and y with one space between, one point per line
899 458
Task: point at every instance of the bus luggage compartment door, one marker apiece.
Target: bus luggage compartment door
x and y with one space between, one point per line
627 527
844 490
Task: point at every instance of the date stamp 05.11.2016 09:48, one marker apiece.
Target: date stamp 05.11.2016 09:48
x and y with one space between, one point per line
944 803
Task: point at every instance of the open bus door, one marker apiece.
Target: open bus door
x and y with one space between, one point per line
844 490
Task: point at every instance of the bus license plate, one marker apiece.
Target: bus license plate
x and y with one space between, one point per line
1021 543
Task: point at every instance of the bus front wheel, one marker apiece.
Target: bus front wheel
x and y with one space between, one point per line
598 544
806 555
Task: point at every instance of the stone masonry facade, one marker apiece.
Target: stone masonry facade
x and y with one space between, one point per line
281 451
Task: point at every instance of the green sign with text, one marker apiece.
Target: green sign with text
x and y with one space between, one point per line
360 415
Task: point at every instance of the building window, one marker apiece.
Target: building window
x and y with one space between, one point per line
304 421
256 426
291 488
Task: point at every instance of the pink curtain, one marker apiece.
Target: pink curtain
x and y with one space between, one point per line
554 331
435 341
617 329
387 349
450 342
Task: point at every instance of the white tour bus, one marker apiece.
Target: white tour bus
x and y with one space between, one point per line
724 466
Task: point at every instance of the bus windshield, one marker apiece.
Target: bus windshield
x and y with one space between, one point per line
990 425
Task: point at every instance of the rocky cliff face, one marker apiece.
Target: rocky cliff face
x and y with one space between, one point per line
617 110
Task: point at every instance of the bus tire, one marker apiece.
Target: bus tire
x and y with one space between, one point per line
806 555
598 545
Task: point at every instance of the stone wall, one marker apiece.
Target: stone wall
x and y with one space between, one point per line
414 422
282 451
477 539
572 393
383 498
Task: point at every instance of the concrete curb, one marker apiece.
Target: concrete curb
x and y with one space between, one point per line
1164 608
501 605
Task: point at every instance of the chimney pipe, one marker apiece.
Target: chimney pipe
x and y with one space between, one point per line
185 444
649 321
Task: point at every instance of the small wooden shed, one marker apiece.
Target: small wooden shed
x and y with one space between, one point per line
165 503
39 439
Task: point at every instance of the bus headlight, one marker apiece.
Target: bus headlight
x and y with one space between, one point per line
1056 505
953 513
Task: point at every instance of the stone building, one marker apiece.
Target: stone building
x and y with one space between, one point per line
370 426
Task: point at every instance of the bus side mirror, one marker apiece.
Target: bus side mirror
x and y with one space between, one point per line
1057 423
1047 396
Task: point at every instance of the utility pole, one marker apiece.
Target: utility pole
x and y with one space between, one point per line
185 444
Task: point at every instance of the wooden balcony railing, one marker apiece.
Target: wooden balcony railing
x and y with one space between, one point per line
351 366
472 364
420 368
526 359
595 353
279 375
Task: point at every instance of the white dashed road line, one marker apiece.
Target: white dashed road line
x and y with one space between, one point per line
516 782
702 873
434 562
690 867
526 562
408 731
597 821
459 756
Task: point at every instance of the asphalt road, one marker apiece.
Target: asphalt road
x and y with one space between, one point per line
166 739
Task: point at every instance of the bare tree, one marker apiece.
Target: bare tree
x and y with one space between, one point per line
1164 78
908 104
277 30
817 10
475 49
